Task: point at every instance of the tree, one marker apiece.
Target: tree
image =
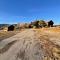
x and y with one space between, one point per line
42 23
36 23
50 23
11 28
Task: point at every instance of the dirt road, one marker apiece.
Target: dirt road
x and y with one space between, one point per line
29 45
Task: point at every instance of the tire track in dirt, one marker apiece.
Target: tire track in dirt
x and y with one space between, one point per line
11 39
4 49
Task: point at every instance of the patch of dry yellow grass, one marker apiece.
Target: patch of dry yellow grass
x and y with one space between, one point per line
52 50
52 29
6 34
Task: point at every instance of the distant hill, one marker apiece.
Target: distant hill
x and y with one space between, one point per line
4 25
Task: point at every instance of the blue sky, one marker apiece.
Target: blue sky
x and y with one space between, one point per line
15 11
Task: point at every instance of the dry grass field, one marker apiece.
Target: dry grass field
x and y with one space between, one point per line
51 29
50 40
